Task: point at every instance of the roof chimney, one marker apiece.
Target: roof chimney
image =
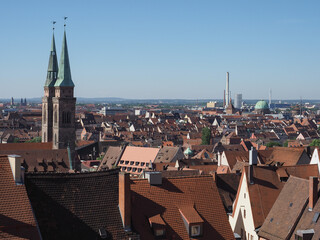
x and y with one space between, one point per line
15 164
125 200
253 160
313 192
154 178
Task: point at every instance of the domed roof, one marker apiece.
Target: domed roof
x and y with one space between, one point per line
188 151
261 105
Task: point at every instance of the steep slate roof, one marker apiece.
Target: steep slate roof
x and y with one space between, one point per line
16 217
286 210
198 192
76 206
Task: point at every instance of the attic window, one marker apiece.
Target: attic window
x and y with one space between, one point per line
271 219
137 163
142 164
121 162
195 231
139 169
192 221
126 162
290 205
158 226
159 232
132 162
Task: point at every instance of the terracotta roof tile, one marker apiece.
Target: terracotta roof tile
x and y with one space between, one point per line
199 193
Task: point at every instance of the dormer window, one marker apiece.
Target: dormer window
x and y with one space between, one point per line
158 226
159 232
195 231
192 221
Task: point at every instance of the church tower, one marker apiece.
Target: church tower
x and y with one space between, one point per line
49 92
64 105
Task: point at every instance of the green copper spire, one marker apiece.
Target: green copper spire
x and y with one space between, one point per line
53 65
64 74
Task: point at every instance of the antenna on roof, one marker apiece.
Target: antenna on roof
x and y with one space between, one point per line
65 22
53 23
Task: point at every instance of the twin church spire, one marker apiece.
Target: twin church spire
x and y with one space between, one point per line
59 76
59 103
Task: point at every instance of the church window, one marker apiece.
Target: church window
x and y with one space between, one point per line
44 114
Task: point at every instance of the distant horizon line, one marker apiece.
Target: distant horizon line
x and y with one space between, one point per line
161 99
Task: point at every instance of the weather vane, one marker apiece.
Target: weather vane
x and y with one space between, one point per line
65 24
53 23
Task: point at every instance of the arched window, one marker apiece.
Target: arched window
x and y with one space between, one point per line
55 116
44 114
64 117
55 139
44 137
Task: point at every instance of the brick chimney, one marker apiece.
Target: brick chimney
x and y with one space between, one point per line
125 200
313 192
15 164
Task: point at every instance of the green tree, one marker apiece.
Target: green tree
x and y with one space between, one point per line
272 144
206 136
34 140
285 144
315 142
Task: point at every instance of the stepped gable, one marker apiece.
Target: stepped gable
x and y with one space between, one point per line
76 205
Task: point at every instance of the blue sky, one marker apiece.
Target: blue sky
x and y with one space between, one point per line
165 48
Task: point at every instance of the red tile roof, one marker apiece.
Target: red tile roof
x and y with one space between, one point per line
16 216
198 192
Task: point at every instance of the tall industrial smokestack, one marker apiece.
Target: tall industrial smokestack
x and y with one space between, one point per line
270 96
227 90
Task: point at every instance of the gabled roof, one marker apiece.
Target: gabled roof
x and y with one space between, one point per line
76 206
286 209
16 216
198 192
263 193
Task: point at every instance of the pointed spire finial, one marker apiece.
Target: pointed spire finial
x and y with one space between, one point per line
53 23
65 24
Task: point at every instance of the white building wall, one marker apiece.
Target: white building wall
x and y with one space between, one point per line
237 221
315 158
